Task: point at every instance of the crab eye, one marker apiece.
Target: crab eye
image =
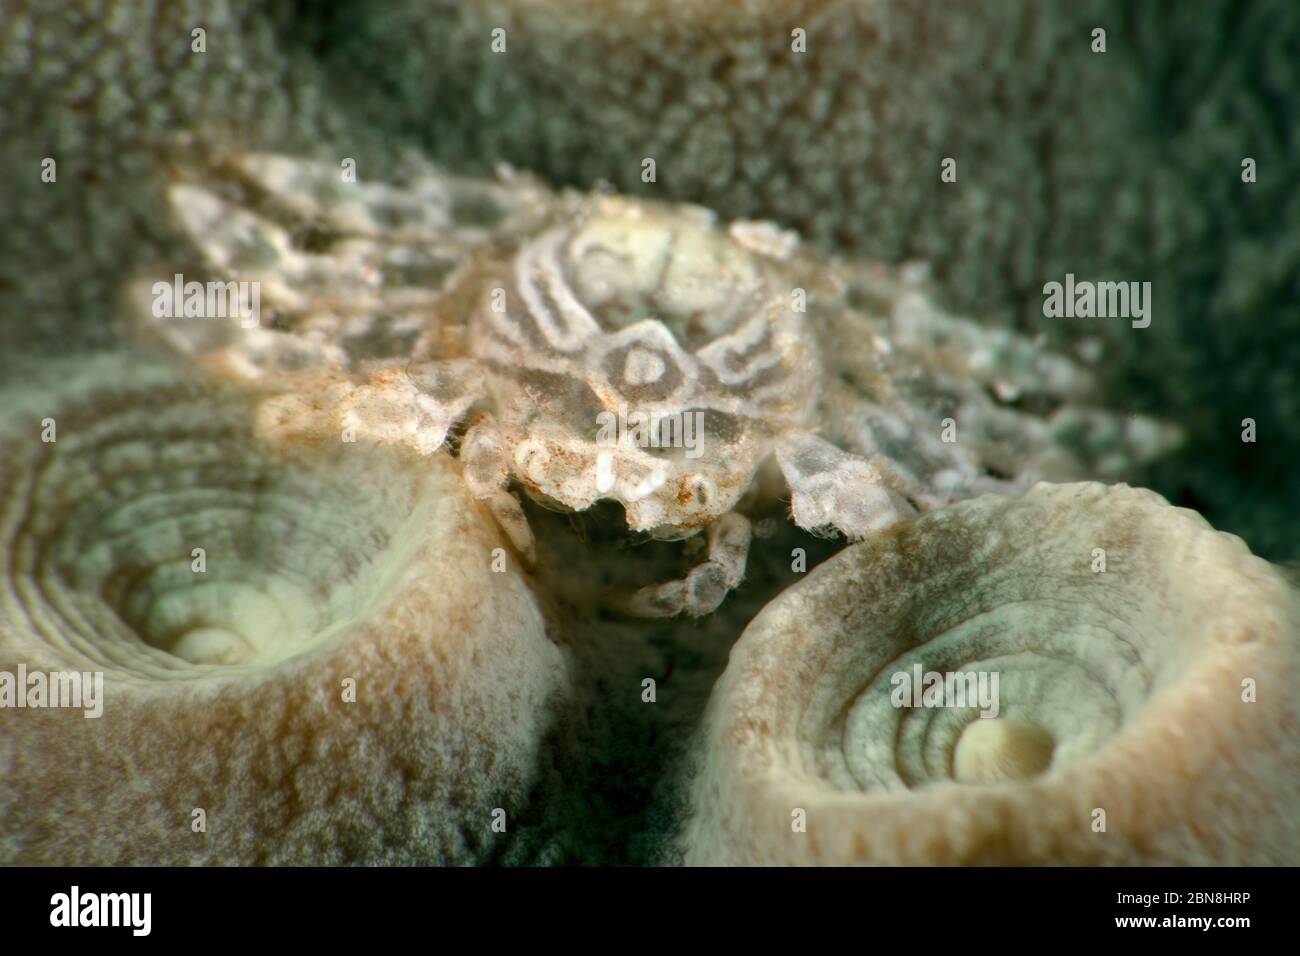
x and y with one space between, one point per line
531 459
702 489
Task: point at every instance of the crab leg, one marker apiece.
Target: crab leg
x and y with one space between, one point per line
833 489
704 588
487 473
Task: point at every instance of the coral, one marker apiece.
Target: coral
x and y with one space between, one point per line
314 650
1142 712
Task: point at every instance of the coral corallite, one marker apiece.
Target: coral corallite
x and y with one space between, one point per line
306 659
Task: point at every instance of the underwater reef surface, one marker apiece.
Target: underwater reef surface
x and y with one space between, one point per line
1124 165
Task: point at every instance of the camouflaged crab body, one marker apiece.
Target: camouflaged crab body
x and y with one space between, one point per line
630 313
400 312
651 317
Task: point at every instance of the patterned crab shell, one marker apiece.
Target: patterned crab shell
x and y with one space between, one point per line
642 354
627 350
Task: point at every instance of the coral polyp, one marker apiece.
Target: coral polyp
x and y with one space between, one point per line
307 656
1122 718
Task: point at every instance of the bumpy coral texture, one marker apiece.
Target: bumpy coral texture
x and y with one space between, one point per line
1124 683
227 687
101 87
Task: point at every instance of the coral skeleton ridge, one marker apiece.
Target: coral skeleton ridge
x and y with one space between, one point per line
1125 734
306 656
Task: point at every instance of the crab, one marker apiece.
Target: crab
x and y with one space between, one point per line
588 347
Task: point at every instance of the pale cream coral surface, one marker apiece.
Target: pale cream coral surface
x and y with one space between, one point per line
1155 697
354 672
